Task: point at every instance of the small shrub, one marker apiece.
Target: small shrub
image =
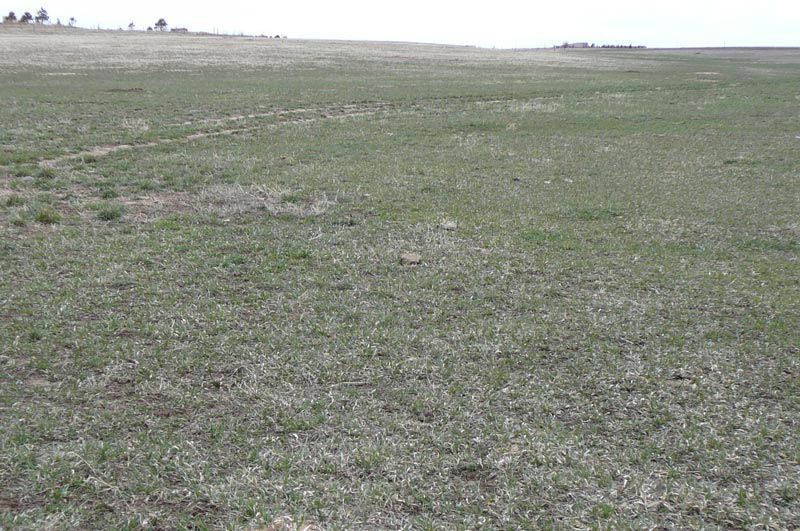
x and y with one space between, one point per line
108 193
46 215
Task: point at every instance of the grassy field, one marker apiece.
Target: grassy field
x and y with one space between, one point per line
205 320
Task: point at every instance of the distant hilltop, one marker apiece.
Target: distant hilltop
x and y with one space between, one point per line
592 45
42 20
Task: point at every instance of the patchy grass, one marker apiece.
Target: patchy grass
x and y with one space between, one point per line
595 325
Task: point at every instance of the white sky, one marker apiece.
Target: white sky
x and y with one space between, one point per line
500 23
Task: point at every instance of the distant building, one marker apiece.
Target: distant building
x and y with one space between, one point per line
179 30
574 45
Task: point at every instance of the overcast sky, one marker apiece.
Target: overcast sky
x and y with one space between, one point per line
500 23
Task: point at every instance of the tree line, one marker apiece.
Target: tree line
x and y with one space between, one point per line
42 17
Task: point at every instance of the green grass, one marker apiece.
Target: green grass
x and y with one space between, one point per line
46 215
14 200
214 328
108 211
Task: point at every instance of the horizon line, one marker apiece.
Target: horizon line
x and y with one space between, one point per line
202 33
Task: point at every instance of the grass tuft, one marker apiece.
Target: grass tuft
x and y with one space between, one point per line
109 211
14 200
46 215
46 172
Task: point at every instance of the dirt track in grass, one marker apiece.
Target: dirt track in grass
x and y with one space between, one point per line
284 118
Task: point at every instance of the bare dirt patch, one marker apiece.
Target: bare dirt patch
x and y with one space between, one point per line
38 382
287 523
225 201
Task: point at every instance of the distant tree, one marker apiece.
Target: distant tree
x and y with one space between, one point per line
72 21
11 17
161 24
42 16
131 26
26 18
58 22
149 28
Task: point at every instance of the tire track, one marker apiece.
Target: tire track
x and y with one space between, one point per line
324 113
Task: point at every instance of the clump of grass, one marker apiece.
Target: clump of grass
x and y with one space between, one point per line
603 511
295 196
768 244
296 253
47 215
234 260
44 183
14 200
108 193
46 172
743 162
23 170
18 220
173 222
554 239
145 185
109 212
541 236
597 214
